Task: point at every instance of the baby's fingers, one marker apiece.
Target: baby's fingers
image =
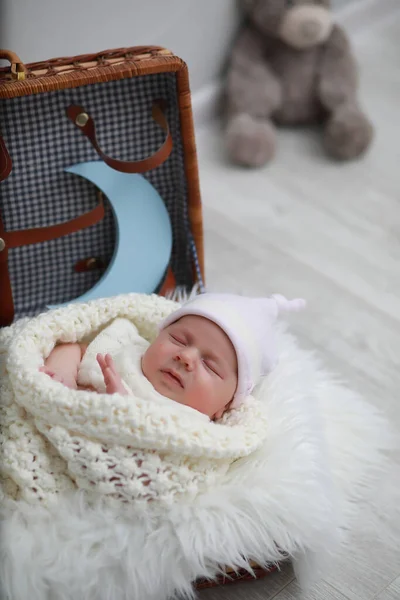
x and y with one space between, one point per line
105 361
112 381
110 363
102 363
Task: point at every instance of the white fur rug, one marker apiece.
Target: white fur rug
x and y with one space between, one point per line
325 459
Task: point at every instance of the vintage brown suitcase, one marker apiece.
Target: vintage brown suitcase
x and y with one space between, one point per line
57 233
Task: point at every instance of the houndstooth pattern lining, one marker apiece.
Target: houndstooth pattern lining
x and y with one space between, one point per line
42 143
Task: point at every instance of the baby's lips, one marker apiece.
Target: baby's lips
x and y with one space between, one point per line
175 374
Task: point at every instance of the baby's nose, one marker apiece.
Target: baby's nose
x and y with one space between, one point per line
188 356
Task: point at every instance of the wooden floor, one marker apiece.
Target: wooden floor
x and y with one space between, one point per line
306 226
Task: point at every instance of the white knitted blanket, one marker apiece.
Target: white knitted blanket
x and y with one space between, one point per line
122 340
123 448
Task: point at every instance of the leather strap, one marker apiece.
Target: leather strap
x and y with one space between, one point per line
89 264
85 123
36 235
17 68
169 284
5 161
6 297
10 56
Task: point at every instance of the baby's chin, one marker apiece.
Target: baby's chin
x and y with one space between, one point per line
161 386
177 396
164 390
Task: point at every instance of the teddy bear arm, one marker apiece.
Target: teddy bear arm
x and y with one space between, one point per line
252 86
338 72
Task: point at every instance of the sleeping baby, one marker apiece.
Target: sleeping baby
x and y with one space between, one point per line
208 355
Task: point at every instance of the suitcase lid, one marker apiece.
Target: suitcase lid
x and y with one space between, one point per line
35 81
67 72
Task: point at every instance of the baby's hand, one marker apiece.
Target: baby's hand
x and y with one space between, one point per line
112 378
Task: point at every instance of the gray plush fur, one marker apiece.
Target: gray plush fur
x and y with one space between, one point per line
292 65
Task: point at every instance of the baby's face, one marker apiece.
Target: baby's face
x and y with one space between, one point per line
193 362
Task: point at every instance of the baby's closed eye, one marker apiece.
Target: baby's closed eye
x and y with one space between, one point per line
212 366
178 339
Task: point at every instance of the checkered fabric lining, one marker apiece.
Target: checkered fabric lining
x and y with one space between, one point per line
43 142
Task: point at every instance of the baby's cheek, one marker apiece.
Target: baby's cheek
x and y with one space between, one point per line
151 357
145 363
156 354
226 391
163 345
212 390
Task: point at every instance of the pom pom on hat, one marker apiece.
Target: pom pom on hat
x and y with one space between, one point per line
250 325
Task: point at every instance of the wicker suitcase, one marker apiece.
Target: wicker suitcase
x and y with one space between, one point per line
57 233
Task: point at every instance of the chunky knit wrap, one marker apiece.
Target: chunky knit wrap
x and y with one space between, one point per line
122 448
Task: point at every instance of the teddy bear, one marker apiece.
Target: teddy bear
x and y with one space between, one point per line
292 65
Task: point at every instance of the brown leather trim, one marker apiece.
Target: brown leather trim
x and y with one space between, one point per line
169 284
6 297
17 67
191 166
10 56
36 235
5 161
138 166
89 264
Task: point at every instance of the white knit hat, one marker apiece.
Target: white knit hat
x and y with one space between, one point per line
250 325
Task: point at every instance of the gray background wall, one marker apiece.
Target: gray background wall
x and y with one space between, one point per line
342 3
199 31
